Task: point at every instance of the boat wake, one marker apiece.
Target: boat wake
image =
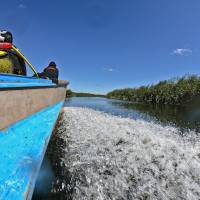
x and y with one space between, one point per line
109 157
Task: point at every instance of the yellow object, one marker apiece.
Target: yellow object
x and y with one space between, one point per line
3 53
6 66
24 58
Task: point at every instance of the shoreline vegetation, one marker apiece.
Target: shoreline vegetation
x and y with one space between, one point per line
177 91
70 93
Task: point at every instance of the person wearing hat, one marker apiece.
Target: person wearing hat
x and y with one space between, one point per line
51 72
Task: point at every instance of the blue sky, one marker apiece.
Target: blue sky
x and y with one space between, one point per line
100 45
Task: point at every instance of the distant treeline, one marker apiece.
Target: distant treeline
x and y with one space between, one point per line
70 93
176 91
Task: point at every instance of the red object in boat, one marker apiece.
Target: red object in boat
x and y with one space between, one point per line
5 45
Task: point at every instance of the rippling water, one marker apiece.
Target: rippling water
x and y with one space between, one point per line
104 156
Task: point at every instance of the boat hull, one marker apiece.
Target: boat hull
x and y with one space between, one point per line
17 104
29 111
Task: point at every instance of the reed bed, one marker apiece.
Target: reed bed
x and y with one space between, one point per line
176 91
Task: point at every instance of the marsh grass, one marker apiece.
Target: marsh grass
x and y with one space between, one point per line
177 91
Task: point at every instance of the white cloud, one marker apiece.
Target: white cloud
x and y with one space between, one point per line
109 69
21 6
182 52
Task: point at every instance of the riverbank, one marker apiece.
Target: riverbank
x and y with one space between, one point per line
70 93
179 91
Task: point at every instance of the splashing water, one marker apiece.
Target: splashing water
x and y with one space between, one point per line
110 157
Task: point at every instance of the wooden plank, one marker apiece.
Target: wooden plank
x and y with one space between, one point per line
16 105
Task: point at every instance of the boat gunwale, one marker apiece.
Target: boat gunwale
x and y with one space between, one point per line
4 77
34 87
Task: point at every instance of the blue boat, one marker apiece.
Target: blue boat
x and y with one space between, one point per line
29 110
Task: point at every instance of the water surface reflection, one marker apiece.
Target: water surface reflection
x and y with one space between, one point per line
184 117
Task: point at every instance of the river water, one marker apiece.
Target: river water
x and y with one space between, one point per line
109 149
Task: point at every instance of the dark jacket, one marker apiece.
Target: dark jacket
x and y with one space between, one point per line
52 73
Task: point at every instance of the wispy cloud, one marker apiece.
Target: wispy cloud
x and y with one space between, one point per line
21 6
182 52
109 69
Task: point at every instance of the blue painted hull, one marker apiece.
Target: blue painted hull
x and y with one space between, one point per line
23 145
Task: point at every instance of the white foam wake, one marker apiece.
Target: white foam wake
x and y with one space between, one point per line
117 158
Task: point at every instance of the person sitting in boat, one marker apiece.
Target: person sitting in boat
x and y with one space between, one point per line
51 72
10 62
